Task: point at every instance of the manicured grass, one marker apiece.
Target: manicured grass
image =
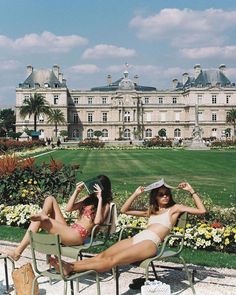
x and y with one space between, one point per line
198 257
211 172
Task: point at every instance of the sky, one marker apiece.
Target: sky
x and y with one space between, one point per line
90 39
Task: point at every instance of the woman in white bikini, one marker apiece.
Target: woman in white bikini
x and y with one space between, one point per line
163 213
93 209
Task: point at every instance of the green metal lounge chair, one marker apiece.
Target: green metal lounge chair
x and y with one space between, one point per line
163 252
51 245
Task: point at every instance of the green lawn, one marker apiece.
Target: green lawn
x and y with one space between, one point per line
212 172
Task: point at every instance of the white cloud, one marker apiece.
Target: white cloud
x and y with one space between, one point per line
106 51
185 27
45 42
84 69
8 65
209 52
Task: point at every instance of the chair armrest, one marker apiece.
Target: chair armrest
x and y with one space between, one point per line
166 240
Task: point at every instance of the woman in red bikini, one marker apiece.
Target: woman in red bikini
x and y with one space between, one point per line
92 210
162 212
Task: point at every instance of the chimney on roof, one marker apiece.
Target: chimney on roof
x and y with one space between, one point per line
56 70
136 77
185 78
222 68
197 70
60 77
109 79
29 70
174 83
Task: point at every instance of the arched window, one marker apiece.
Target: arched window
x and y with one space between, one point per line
104 133
214 132
90 133
148 133
127 133
177 132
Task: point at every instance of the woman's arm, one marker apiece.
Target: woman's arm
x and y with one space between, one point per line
200 208
101 212
130 200
72 204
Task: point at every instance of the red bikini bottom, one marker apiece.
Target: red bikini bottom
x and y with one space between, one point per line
79 228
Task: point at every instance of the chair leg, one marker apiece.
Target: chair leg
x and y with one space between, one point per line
71 288
33 285
98 284
188 274
65 288
116 276
154 271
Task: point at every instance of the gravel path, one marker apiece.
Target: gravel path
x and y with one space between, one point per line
208 281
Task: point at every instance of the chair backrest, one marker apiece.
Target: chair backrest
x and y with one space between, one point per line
48 244
182 220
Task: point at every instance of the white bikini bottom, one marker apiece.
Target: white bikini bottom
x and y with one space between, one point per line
146 234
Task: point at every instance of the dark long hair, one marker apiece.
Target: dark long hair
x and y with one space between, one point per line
106 193
153 204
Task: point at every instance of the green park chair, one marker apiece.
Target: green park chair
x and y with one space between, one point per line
163 252
49 244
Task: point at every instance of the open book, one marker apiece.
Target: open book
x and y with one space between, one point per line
157 184
89 184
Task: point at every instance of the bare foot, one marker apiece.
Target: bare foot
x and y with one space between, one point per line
39 217
67 267
11 253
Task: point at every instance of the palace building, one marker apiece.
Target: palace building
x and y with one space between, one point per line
126 109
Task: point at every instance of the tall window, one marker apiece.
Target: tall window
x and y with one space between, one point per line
148 132
90 133
104 117
55 99
177 132
104 133
76 100
199 98
76 118
127 133
174 100
90 117
146 100
213 117
41 118
104 100
213 99
90 100
127 117
228 98
200 116
160 100
163 116
177 116
149 117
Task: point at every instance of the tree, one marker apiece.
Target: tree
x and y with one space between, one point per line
231 118
34 105
7 121
162 133
56 117
97 133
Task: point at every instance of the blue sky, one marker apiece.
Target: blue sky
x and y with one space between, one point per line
89 39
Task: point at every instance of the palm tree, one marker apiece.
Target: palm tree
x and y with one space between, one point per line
231 118
56 117
34 105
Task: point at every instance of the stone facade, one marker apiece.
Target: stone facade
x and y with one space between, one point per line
125 109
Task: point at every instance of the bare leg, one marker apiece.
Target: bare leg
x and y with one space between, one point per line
131 253
50 207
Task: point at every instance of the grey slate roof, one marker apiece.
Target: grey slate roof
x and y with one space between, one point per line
117 85
213 77
38 78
